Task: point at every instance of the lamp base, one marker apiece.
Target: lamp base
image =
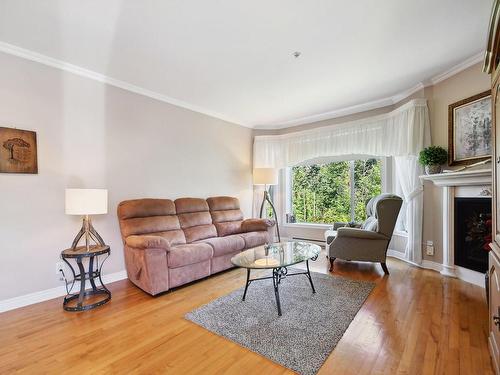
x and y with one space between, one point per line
89 232
268 199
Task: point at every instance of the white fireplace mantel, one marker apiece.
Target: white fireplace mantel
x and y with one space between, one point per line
476 177
471 183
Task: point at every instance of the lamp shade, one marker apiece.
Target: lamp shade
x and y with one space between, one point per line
265 176
86 201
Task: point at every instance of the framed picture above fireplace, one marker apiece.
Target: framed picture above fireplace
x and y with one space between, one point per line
469 129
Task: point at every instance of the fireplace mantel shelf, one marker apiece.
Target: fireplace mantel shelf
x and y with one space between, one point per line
465 178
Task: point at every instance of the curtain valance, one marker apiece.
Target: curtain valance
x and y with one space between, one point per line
401 132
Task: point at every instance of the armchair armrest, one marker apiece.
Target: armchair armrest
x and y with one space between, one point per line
147 242
360 233
339 224
251 225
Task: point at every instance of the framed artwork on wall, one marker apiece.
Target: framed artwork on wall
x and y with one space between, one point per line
18 153
469 129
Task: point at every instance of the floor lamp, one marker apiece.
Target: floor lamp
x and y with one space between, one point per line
267 177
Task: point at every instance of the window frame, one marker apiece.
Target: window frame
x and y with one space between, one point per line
385 171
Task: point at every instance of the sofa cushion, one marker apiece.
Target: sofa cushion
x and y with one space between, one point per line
188 205
150 216
223 203
195 219
226 215
145 207
253 239
183 255
225 245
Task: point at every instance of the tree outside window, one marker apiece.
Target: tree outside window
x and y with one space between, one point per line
334 192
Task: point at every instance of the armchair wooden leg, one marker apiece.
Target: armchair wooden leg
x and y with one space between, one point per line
384 267
331 263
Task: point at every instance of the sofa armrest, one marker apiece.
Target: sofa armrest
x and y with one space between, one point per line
253 225
360 233
147 242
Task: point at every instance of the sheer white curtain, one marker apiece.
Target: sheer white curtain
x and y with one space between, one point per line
402 133
407 172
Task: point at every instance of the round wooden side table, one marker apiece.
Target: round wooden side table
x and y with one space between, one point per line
92 298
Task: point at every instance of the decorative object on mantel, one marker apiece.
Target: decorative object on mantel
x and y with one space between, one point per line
267 176
432 158
87 202
18 151
469 129
468 166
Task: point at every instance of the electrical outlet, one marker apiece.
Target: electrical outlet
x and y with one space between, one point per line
59 268
429 248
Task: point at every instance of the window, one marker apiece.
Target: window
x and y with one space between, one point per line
333 192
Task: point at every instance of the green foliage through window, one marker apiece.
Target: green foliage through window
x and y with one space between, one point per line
321 193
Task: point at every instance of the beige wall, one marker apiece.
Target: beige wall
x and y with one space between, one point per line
460 86
94 135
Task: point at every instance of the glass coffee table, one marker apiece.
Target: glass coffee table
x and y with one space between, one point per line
277 257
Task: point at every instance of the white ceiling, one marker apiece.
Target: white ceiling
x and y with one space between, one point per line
233 59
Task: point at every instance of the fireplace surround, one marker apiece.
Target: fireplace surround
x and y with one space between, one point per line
469 184
472 227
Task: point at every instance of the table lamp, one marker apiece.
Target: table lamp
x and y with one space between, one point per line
87 202
267 176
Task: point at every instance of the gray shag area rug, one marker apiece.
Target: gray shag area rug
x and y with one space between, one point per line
309 329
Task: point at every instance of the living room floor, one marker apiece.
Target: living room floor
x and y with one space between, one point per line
414 322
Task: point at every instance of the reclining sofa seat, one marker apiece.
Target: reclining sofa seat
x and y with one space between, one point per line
170 243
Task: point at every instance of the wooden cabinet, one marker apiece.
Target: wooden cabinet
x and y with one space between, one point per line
494 308
492 66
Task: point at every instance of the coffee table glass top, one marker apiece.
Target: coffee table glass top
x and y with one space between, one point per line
280 254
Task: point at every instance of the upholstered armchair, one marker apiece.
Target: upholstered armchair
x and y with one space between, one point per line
369 242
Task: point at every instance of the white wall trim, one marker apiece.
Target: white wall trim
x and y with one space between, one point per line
467 63
362 107
75 69
463 274
45 295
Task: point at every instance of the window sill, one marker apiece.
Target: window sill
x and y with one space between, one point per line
308 225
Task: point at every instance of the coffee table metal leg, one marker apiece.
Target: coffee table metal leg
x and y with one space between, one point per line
276 281
309 276
246 284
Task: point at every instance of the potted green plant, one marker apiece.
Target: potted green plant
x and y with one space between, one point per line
432 158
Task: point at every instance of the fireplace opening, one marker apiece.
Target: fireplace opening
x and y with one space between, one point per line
472 233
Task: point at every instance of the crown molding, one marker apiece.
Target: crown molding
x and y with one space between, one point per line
362 107
75 69
346 111
379 103
467 63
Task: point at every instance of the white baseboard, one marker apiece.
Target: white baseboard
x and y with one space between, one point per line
45 295
473 277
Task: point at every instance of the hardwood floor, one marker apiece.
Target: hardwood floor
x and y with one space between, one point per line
414 322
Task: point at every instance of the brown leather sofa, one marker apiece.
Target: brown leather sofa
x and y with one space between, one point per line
170 243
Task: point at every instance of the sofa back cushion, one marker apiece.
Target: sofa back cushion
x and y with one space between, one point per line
150 216
226 215
194 218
